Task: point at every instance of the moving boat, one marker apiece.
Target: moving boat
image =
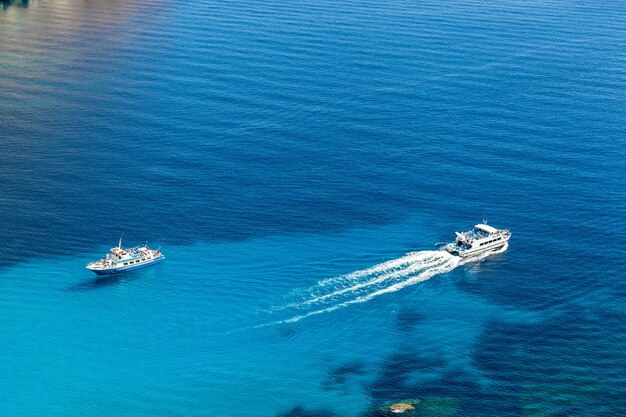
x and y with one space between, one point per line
482 238
122 260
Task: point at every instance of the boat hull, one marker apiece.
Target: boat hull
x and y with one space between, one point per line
112 271
471 253
481 251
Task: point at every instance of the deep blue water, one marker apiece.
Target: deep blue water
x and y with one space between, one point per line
279 151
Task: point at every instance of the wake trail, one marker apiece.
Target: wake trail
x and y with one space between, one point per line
330 289
360 286
423 276
419 262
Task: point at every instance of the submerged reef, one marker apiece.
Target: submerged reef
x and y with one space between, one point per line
18 3
442 388
560 366
438 407
395 379
426 407
299 411
339 375
401 407
408 318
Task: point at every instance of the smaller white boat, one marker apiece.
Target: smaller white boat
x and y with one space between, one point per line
122 260
482 238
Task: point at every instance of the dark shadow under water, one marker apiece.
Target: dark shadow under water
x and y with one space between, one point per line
102 281
299 411
524 367
339 375
5 4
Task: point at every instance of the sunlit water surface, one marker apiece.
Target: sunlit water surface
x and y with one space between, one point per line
297 161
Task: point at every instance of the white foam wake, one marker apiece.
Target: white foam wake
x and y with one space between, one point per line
330 289
452 262
388 273
361 286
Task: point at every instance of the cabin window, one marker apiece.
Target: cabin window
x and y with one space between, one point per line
125 263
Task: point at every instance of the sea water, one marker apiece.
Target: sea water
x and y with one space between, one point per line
298 162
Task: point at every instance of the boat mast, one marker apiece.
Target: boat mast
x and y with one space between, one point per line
119 245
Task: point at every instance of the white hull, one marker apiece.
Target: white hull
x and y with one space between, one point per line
480 240
122 260
109 270
476 252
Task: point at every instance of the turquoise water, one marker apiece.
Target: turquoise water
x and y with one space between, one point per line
298 162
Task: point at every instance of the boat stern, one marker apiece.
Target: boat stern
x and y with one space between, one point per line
453 248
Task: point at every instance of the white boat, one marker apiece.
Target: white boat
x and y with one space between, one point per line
122 260
482 238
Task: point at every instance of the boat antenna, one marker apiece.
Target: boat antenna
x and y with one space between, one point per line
119 245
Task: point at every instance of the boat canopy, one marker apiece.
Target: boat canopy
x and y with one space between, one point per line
486 228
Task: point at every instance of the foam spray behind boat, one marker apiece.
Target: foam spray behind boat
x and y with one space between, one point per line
363 285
